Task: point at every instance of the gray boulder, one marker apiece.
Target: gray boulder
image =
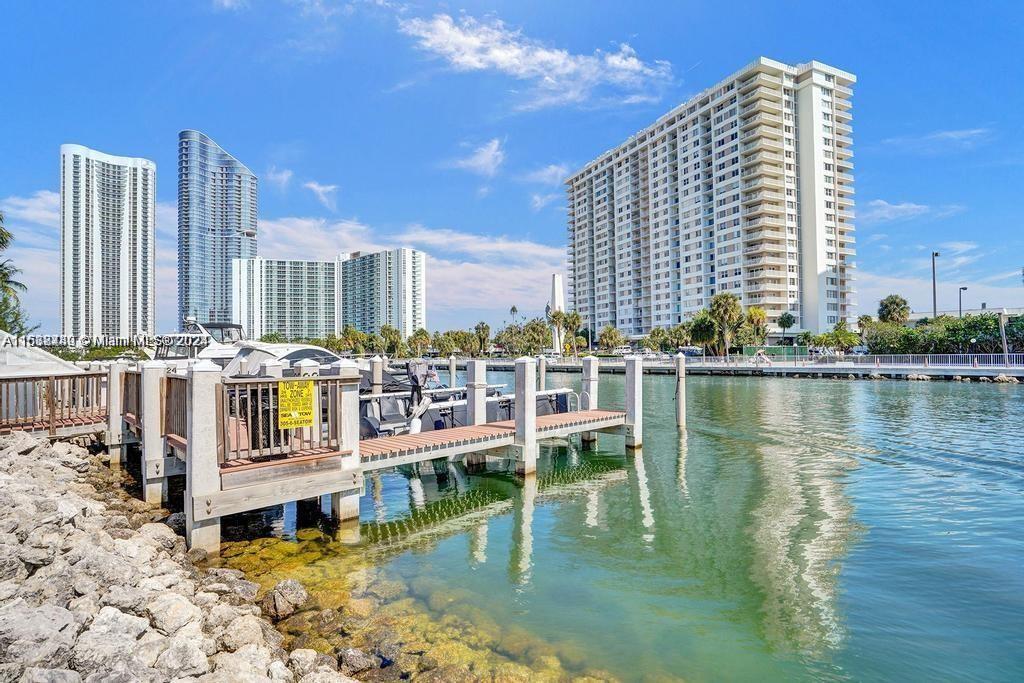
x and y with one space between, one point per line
286 597
36 636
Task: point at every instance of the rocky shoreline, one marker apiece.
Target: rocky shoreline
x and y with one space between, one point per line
94 586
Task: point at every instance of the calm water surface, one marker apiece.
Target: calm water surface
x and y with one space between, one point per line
800 530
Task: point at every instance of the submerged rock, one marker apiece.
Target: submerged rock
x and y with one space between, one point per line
286 597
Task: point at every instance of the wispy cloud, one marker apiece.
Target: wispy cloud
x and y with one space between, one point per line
872 287
539 201
480 245
42 208
279 178
230 4
485 160
941 140
556 76
325 194
552 174
882 211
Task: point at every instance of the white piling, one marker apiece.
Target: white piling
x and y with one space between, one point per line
202 472
526 416
153 446
681 391
542 371
634 401
588 394
115 411
476 392
345 505
376 375
452 369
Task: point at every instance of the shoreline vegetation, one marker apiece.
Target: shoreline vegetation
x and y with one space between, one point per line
96 585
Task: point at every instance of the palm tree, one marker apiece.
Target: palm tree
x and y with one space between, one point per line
786 321
703 329
419 341
557 320
9 286
893 309
513 311
573 323
483 336
727 313
5 235
610 338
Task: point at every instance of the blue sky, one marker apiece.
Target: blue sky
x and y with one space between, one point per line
449 127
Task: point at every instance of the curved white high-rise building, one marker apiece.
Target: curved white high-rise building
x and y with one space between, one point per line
107 243
217 207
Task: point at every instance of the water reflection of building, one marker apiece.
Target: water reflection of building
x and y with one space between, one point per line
801 524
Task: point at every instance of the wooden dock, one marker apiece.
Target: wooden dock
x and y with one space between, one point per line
245 443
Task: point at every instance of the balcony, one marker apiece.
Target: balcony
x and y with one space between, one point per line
763 181
766 247
761 157
759 79
765 260
768 274
761 196
764 210
844 152
761 105
760 144
765 92
844 140
765 234
842 90
746 124
763 131
845 177
764 221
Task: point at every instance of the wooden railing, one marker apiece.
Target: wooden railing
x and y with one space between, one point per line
253 428
131 395
49 402
175 404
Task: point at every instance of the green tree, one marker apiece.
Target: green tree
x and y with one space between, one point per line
273 338
679 336
785 321
754 329
375 343
512 312
703 329
610 338
483 336
657 340
841 338
893 309
419 341
727 313
557 319
573 323
392 340
536 336
13 317
443 343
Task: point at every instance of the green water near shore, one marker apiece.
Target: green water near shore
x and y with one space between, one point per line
800 530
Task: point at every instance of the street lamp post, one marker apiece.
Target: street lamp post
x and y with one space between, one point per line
935 304
962 290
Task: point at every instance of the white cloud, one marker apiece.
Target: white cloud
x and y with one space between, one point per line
279 178
230 4
314 238
480 246
42 208
941 140
556 76
881 211
958 248
539 201
552 174
324 193
485 160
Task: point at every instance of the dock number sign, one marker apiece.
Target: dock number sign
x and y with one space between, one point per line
295 404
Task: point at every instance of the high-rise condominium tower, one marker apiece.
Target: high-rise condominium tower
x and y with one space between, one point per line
216 223
747 188
298 299
107 227
385 288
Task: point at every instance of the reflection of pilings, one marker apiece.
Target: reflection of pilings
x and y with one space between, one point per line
416 494
593 506
521 559
380 512
478 542
681 466
645 495
458 475
430 515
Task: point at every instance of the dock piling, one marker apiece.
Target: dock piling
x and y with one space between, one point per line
525 442
202 471
115 411
681 390
345 505
588 395
542 371
376 375
154 475
452 369
476 404
634 401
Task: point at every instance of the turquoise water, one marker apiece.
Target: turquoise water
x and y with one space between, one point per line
800 530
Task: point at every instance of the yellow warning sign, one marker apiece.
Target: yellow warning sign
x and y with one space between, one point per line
295 404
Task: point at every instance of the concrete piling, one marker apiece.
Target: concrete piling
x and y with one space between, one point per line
634 401
681 391
202 471
154 475
526 416
588 395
